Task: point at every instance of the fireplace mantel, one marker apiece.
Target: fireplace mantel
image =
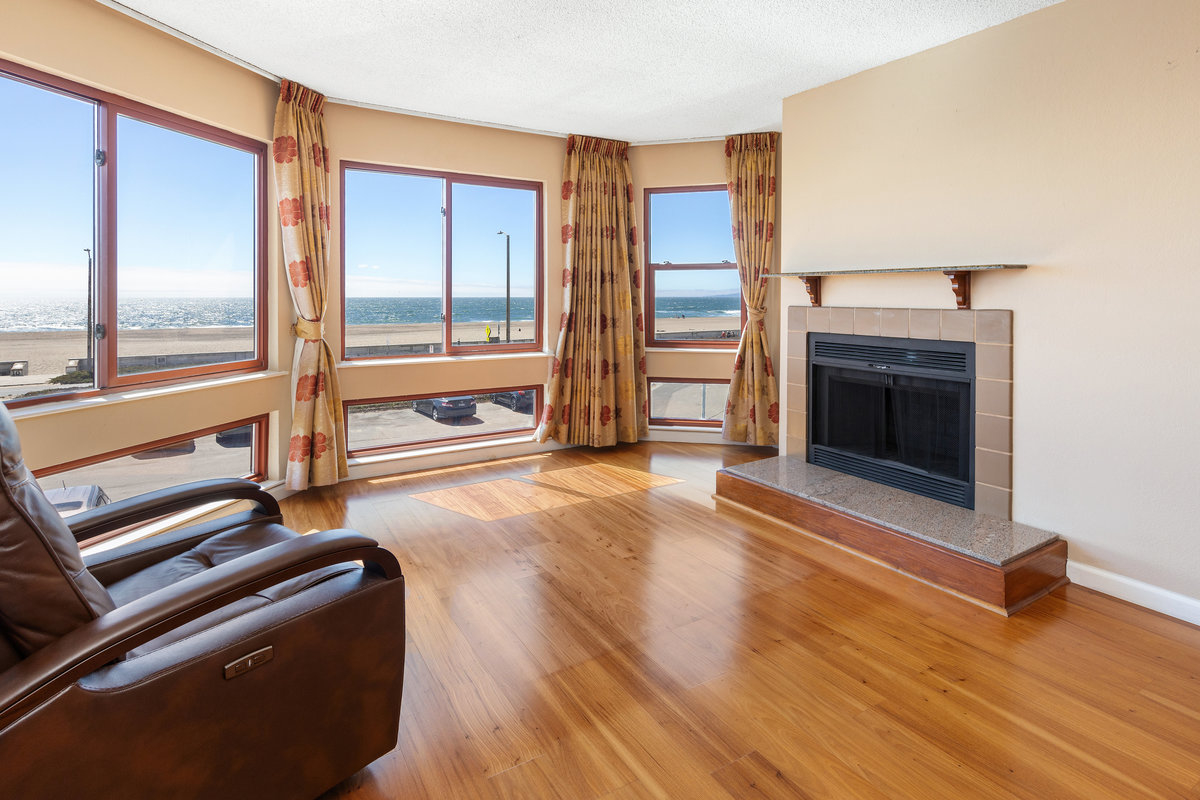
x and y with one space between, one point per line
960 278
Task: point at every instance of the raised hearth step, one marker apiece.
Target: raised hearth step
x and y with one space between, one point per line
1001 564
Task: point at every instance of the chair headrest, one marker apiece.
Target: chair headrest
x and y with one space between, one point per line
45 589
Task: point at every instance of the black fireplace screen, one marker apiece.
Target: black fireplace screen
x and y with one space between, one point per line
896 412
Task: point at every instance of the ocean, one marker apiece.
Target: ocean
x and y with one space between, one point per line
238 312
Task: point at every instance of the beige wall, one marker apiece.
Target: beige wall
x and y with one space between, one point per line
1068 140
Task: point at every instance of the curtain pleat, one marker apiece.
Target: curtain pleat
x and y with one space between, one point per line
752 412
597 385
317 450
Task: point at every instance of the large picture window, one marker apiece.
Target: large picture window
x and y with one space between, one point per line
396 423
693 295
236 449
131 243
682 401
439 263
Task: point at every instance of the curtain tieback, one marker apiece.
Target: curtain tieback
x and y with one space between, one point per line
308 330
754 315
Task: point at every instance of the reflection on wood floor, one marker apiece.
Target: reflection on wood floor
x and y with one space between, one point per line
638 641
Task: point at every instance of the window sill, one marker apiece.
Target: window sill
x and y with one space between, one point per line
122 395
441 358
730 350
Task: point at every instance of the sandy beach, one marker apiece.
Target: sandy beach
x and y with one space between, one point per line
47 353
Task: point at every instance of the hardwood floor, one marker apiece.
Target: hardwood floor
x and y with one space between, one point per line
631 641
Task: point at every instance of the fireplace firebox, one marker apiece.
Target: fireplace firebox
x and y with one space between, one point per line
900 412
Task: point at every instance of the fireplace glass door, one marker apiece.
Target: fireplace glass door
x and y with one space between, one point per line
913 421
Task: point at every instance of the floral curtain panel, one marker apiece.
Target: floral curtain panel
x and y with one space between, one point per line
317 453
752 413
597 385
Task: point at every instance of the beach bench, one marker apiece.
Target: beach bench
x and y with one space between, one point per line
15 368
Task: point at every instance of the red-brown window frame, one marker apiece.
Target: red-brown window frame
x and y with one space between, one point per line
651 268
684 421
449 179
108 107
421 443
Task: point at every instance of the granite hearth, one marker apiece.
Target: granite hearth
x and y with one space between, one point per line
989 560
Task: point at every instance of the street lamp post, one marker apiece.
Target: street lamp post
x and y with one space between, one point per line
507 285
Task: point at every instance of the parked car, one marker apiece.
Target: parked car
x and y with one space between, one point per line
440 408
167 450
70 500
518 400
236 437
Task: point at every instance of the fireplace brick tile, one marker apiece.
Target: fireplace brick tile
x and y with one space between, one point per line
958 326
797 370
994 326
993 361
993 397
993 500
797 318
925 323
992 468
993 433
818 320
796 447
797 342
894 322
841 320
866 321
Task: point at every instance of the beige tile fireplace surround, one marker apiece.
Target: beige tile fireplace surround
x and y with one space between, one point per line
991 330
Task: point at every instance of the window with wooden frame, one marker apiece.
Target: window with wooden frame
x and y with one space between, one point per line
132 243
387 424
439 263
688 402
235 449
693 294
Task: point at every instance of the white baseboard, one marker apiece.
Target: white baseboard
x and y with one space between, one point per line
1134 591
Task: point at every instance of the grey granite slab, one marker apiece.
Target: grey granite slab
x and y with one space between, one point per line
991 539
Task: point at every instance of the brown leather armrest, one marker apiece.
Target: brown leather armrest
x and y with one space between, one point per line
103 640
152 505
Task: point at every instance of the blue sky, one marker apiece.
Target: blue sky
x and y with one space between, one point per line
186 204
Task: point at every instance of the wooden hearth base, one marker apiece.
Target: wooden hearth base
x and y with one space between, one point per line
1004 588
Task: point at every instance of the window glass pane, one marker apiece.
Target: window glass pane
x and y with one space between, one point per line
690 228
697 304
702 402
495 261
185 250
393 264
225 454
405 422
47 213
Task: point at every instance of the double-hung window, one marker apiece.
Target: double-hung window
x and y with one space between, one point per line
693 295
131 242
439 263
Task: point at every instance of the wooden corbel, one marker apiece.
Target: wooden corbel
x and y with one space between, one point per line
960 282
812 283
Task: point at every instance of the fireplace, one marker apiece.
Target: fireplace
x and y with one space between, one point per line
896 411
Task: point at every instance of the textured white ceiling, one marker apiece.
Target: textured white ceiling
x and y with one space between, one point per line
638 70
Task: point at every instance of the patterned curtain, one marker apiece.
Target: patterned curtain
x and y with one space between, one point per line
597 385
317 454
752 413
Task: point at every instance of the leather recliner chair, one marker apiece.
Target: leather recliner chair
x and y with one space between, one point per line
231 659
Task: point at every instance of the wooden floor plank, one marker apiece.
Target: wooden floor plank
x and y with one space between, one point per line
642 641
